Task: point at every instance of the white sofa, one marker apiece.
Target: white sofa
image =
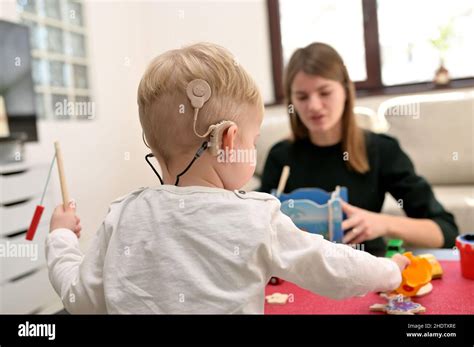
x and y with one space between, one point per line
435 128
437 132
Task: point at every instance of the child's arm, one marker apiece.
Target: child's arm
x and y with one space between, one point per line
77 279
334 270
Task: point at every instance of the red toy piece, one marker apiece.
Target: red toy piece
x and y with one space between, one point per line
465 245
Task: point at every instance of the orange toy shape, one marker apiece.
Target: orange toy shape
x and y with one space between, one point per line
415 276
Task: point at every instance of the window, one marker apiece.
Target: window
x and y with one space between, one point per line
60 68
412 52
323 21
385 44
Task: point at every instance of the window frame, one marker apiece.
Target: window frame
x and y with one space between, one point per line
46 91
373 84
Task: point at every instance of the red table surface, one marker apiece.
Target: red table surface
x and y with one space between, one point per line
452 294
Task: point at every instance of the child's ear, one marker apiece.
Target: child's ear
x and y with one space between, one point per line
229 137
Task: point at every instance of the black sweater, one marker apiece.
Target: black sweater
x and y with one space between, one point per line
390 171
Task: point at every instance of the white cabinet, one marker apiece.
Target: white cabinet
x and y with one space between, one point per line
24 282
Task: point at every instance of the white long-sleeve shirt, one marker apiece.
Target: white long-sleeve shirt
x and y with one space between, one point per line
202 250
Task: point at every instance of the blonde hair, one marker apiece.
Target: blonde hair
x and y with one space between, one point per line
322 60
166 113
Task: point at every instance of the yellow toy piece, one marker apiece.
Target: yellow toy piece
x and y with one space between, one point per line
436 269
415 276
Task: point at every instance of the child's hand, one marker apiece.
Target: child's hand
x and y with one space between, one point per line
66 219
401 261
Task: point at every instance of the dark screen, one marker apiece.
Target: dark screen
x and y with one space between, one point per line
16 83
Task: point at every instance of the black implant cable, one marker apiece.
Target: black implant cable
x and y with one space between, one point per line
150 155
197 155
199 152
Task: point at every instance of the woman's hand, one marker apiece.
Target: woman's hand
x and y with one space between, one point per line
62 218
366 225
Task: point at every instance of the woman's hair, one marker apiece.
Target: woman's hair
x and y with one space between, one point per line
166 114
322 60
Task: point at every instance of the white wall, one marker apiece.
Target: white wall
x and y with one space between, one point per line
240 25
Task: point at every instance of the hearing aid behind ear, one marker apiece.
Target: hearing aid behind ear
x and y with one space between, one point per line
216 135
198 92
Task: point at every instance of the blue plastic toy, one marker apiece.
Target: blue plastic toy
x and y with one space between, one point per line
316 211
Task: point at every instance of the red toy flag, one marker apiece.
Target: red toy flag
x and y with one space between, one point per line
39 209
34 222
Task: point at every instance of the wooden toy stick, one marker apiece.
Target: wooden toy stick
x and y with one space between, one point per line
285 173
62 176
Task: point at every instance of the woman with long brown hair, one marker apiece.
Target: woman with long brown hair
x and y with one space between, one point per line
329 149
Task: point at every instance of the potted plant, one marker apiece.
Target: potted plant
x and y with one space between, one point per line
442 43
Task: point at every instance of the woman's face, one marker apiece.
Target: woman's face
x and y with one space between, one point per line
318 101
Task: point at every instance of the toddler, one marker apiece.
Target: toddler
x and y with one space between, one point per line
195 243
